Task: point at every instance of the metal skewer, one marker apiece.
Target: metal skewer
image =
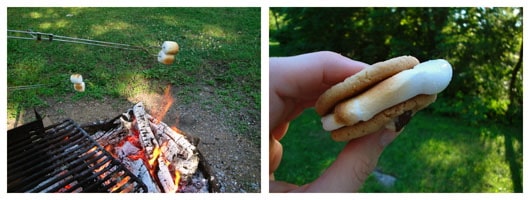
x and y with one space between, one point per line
51 37
27 87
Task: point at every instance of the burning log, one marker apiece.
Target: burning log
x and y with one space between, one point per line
178 150
166 180
147 138
126 154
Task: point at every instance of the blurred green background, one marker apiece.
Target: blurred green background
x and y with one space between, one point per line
469 140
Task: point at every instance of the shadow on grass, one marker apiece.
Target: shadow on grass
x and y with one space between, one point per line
435 155
447 155
515 167
512 146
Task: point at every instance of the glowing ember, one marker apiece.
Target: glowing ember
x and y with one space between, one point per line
121 183
67 187
139 155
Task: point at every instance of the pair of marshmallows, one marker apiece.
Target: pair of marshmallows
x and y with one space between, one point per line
77 80
167 54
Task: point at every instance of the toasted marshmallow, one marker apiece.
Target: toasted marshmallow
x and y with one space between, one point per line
80 87
165 59
170 47
76 78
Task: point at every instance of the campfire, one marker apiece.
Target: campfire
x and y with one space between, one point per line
164 158
134 152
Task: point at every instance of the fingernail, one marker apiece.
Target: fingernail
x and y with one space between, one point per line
387 137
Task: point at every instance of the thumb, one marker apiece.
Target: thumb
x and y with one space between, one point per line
354 164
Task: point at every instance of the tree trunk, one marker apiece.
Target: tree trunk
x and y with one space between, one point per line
511 89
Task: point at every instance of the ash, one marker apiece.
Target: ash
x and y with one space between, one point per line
197 184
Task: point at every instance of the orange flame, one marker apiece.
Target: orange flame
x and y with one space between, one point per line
177 178
176 130
168 101
156 153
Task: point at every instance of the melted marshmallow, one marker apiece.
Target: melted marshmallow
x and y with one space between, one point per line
429 77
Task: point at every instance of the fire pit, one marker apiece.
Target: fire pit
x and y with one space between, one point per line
149 156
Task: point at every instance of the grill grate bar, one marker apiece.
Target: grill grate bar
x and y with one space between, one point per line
22 164
64 158
42 175
39 141
46 161
73 170
91 177
75 173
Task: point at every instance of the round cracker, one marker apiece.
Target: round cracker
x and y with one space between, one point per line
361 81
383 118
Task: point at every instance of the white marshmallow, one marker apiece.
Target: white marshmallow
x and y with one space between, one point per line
76 78
170 47
80 87
165 58
429 77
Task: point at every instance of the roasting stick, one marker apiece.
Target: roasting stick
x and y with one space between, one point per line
51 37
165 56
27 87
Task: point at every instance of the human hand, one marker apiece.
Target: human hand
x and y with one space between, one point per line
295 84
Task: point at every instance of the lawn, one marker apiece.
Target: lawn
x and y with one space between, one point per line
433 154
219 48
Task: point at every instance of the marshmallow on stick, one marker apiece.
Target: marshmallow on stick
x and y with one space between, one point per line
170 47
76 78
80 87
165 58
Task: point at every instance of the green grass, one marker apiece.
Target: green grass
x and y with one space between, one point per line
219 47
433 154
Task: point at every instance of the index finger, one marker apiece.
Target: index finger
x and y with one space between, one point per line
296 82
309 74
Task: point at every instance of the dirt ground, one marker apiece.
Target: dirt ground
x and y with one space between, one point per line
235 159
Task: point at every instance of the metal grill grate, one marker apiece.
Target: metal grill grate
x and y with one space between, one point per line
63 158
